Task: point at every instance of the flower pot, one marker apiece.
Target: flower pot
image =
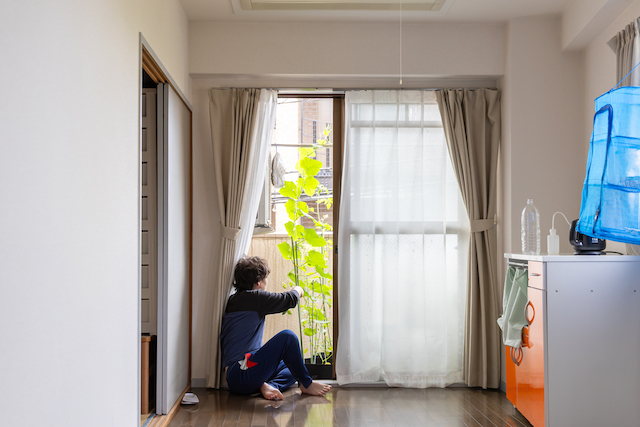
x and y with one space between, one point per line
319 371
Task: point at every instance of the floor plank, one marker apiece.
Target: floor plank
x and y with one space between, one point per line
353 407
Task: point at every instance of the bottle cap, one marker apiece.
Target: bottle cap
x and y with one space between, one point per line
552 231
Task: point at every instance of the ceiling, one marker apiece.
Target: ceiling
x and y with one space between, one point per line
451 11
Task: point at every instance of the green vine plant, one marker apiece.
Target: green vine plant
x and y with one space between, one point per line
309 249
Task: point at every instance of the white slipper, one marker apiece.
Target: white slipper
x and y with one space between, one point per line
190 399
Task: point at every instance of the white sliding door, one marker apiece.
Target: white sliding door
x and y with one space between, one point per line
174 285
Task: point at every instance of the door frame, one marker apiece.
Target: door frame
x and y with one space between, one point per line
338 98
151 64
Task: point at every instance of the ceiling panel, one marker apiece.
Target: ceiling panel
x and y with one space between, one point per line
449 10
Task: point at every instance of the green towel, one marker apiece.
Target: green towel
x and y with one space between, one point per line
514 301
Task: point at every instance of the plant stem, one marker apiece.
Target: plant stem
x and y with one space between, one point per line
296 274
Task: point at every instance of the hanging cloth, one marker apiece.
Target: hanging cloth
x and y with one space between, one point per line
514 301
277 171
610 207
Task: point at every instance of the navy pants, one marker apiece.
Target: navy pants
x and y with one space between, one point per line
277 363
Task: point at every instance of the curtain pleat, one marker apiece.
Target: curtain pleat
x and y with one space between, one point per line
242 122
628 54
471 121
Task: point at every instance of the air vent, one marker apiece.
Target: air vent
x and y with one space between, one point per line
418 5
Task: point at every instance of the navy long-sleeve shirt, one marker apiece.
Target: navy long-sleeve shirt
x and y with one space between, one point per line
243 321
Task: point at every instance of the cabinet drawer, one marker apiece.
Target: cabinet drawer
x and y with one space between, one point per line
536 275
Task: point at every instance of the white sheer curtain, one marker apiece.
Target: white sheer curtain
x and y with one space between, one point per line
403 243
258 166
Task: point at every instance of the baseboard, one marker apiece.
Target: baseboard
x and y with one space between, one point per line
198 382
163 420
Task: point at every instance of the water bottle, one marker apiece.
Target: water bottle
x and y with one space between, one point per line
530 229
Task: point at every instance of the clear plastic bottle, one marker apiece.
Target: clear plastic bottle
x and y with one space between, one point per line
530 229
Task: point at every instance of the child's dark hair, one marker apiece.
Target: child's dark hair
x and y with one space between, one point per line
250 271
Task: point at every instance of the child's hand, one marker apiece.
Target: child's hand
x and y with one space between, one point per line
299 290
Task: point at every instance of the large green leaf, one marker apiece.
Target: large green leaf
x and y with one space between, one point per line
290 189
298 232
309 332
290 206
289 227
313 239
303 207
323 273
310 185
306 152
309 166
316 259
321 289
285 250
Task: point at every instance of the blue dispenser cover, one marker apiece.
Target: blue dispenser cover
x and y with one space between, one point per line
610 206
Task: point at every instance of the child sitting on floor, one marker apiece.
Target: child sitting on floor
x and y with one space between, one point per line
250 366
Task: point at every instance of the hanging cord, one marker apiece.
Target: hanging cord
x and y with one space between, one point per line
625 76
553 220
401 43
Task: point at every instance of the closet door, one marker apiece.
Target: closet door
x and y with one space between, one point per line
174 287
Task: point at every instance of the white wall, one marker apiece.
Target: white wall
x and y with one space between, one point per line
69 182
544 140
343 50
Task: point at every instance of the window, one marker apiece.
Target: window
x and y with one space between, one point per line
301 123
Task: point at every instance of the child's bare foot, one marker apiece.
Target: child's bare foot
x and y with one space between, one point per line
316 389
270 393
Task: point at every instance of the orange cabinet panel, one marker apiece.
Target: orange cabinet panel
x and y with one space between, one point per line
530 373
525 365
512 390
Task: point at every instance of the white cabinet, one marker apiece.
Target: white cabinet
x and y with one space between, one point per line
583 344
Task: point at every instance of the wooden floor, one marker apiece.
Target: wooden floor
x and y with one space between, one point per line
342 407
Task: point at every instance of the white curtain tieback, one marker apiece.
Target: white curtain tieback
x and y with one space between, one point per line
478 225
230 233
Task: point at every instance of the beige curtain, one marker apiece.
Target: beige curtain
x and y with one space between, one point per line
471 121
628 54
242 122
